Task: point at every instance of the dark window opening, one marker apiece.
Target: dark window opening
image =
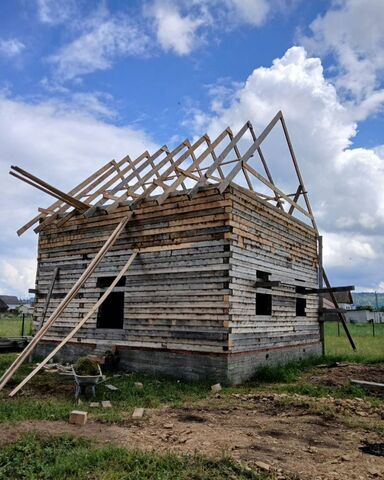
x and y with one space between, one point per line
111 311
263 304
301 303
301 290
105 282
260 275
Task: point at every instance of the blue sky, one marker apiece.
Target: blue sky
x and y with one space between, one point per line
84 81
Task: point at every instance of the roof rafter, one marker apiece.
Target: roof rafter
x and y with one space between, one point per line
186 168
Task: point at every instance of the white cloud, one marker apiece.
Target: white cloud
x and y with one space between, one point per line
54 12
105 39
344 183
254 12
11 47
17 276
339 253
60 145
352 32
175 31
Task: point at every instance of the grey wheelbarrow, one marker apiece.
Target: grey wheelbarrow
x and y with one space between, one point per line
87 381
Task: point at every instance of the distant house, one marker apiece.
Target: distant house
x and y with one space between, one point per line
9 303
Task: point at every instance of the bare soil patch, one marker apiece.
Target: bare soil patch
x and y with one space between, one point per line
340 375
291 439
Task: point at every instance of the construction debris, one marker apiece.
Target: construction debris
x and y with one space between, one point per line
77 417
138 413
216 388
111 387
106 404
138 385
94 404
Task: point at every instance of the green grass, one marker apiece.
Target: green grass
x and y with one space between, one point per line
69 458
51 396
11 325
369 348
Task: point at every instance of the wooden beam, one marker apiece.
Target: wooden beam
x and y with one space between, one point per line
47 300
265 165
67 299
67 198
78 326
311 291
73 192
340 315
297 169
220 158
249 153
273 188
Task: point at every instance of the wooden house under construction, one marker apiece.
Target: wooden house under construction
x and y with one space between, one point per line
189 262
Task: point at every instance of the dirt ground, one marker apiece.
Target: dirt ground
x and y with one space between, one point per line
293 436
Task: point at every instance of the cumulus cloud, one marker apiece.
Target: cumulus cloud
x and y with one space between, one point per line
344 183
351 33
61 146
174 31
11 47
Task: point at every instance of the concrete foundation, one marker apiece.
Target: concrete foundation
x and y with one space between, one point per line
227 368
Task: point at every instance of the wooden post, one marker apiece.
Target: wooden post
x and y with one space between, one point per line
67 299
322 335
77 328
22 325
47 300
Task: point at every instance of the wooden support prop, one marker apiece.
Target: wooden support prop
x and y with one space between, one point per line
47 300
78 326
67 299
340 315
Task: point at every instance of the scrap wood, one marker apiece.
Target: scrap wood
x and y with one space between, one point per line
364 383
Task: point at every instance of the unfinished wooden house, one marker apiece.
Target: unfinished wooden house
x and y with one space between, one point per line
189 262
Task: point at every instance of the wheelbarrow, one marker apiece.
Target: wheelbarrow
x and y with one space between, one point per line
84 381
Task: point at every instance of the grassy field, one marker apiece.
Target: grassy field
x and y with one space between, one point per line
50 396
66 457
11 325
369 347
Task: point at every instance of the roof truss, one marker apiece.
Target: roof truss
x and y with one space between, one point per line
188 167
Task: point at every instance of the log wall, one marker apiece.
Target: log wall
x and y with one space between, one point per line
265 239
192 286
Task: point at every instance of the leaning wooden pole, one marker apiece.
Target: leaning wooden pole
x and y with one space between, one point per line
340 315
48 299
67 299
77 328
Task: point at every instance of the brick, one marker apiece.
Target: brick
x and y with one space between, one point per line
216 387
77 417
138 413
106 404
